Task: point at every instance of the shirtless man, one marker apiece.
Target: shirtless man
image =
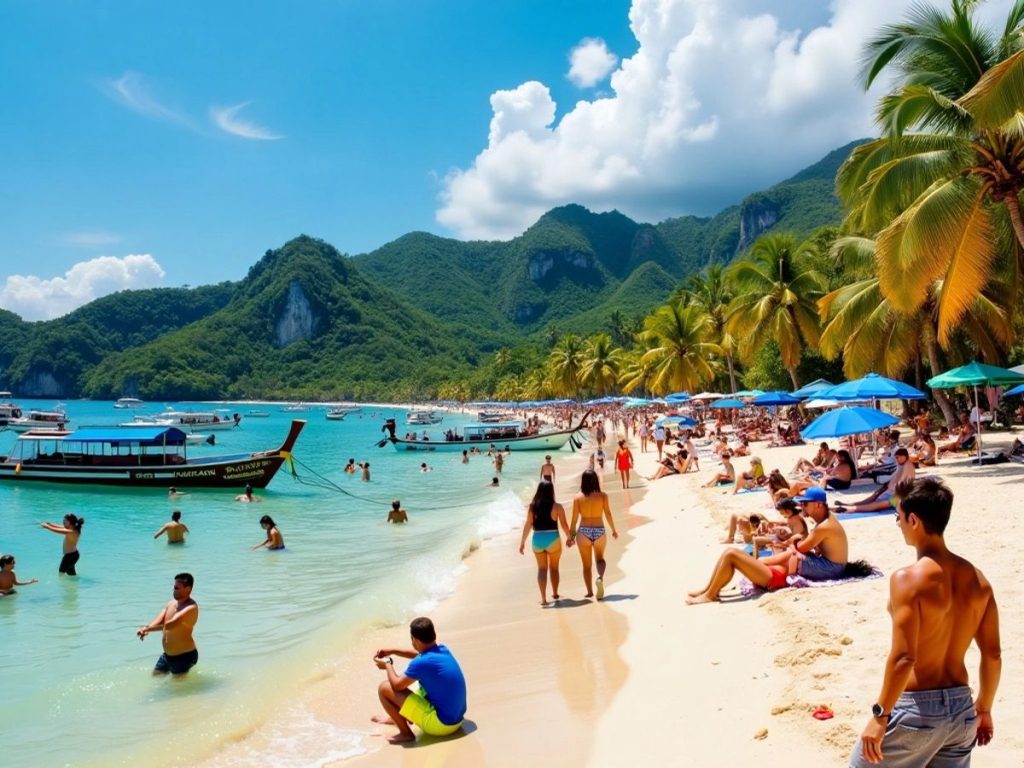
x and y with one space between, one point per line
175 529
397 514
547 470
885 496
247 497
821 556
177 620
173 493
924 714
8 579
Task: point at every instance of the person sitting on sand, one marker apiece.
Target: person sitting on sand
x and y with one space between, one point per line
780 531
274 540
923 450
964 439
247 497
175 529
755 478
440 705
728 474
884 497
820 557
8 579
842 474
397 514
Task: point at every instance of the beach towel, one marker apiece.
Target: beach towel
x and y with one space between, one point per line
765 551
856 515
799 582
753 490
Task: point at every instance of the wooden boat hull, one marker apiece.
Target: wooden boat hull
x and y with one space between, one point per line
551 441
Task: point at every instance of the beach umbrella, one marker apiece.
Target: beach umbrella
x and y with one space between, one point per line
824 402
1018 390
675 421
976 375
848 420
677 397
812 389
775 398
872 387
748 393
729 402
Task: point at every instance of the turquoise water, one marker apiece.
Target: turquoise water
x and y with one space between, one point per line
76 679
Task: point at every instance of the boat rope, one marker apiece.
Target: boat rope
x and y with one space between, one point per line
325 483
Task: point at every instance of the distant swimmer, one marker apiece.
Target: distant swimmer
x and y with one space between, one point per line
465 457
365 467
424 467
177 619
174 493
494 483
175 529
247 496
8 581
397 514
350 468
274 539
71 531
499 462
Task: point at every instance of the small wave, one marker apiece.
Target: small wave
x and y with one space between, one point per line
438 581
503 514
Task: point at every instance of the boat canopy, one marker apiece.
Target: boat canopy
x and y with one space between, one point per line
495 425
142 436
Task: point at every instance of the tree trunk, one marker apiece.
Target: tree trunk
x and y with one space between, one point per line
732 373
932 346
1013 208
793 378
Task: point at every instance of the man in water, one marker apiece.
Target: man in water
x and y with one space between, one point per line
924 714
494 483
174 493
440 705
397 514
547 470
350 468
175 529
177 619
248 496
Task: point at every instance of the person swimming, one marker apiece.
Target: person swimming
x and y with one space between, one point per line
274 540
175 529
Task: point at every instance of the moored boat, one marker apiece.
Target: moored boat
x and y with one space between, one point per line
512 435
137 457
423 417
39 420
256 414
8 409
491 417
200 420
129 403
336 414
296 408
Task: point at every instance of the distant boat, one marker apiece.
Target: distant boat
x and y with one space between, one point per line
130 403
253 414
296 408
421 418
39 420
336 414
491 417
509 434
199 420
134 457
8 409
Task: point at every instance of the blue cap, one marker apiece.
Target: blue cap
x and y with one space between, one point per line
814 493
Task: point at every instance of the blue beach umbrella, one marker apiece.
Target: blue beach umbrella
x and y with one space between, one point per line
676 421
874 387
748 393
1018 390
729 403
849 420
775 398
677 397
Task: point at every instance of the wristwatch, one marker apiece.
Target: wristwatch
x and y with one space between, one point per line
877 711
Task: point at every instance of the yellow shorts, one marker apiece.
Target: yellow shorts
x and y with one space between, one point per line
417 710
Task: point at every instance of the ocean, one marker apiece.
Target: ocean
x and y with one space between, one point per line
76 679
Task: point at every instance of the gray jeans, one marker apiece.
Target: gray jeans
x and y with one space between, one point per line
927 729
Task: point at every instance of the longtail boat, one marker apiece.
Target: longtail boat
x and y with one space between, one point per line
137 457
513 435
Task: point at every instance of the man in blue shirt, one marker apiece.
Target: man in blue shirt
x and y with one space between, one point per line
440 704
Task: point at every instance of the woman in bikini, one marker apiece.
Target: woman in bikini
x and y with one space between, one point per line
71 531
623 462
589 509
543 517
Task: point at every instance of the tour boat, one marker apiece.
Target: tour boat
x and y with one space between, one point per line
512 435
39 420
422 418
129 403
8 410
137 457
254 414
199 420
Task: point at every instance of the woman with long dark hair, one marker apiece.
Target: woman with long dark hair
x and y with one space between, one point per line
589 510
543 517
274 539
71 531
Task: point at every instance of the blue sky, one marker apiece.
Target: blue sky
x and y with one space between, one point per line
156 143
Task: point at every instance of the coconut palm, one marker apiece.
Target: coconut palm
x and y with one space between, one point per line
564 365
601 364
777 290
945 201
636 374
680 348
710 291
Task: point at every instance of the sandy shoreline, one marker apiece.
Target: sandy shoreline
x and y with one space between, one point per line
725 685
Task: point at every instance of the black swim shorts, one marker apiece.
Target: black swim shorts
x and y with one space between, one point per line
176 665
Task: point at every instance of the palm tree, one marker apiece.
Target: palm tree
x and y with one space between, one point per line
776 298
635 373
680 348
710 291
565 363
944 202
600 364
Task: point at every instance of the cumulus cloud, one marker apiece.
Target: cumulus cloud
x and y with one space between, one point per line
134 92
591 62
36 298
227 119
720 99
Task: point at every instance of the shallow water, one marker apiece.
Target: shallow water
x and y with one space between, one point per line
72 665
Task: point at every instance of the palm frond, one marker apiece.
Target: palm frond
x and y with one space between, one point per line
997 99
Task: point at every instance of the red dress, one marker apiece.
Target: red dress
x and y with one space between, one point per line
623 459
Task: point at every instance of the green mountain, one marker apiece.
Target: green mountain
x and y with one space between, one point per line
308 322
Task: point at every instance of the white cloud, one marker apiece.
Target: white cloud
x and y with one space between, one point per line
36 298
720 99
133 91
227 119
591 62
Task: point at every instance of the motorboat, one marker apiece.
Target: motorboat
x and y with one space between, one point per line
491 417
129 403
200 420
137 457
337 414
8 409
511 435
39 420
296 408
423 417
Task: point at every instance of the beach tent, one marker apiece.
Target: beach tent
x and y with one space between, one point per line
872 387
775 398
812 389
848 420
729 402
976 375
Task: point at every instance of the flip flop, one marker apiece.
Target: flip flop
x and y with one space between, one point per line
823 713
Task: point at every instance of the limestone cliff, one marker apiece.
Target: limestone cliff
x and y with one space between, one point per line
297 320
